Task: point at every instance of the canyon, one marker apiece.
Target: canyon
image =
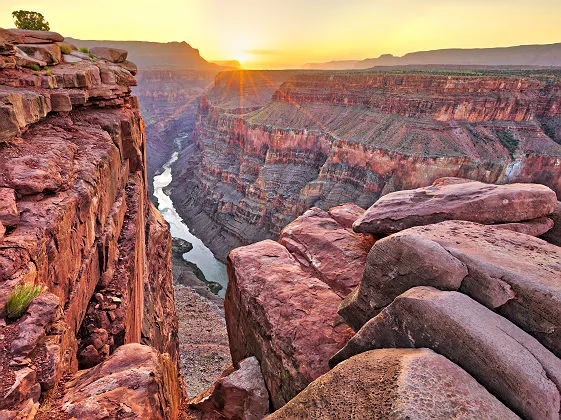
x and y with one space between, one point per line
443 293
269 145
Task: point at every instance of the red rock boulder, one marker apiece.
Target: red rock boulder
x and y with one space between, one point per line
511 364
236 394
395 384
9 214
29 36
283 315
514 274
335 254
457 199
48 53
135 382
114 55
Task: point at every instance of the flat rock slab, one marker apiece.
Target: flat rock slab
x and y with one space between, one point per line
282 315
135 382
395 384
49 53
517 275
334 253
510 363
36 37
534 227
457 199
114 55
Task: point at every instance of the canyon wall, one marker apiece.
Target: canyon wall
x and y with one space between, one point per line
75 218
269 145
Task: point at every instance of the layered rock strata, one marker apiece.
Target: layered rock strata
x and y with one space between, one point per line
326 138
78 221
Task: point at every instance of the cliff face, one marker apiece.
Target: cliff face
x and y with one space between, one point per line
327 138
73 176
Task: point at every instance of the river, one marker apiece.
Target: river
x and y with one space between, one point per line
212 268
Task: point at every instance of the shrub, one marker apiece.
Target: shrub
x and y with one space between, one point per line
36 73
84 50
91 56
25 19
48 73
21 297
35 67
65 48
508 141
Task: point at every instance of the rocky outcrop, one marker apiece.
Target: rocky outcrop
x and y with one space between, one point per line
484 297
395 384
135 382
236 394
511 273
457 199
77 221
281 302
509 362
260 159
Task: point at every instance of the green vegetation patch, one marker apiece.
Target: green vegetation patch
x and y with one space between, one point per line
508 141
21 297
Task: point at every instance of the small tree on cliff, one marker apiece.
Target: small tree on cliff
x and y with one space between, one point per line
25 19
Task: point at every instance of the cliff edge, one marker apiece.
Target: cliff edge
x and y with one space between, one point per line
76 219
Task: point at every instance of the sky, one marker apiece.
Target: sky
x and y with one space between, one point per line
289 33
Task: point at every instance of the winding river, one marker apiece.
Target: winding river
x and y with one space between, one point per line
213 269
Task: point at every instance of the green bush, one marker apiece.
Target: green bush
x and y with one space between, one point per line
65 48
25 19
36 73
21 297
84 50
35 67
508 141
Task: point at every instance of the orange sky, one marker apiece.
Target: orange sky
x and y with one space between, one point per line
289 33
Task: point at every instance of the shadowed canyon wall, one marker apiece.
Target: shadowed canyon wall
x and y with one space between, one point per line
263 154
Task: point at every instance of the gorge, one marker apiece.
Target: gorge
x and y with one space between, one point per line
269 145
402 223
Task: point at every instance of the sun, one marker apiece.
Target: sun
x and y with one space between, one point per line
241 57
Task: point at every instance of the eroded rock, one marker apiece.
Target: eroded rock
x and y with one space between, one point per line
136 381
282 315
114 55
457 199
511 364
9 214
395 384
47 53
29 36
509 272
236 394
554 235
335 254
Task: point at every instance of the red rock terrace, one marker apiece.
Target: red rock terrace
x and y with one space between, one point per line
75 217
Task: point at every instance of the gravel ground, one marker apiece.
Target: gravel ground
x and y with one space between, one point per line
203 340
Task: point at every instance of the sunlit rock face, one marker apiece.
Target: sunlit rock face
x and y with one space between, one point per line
75 218
291 140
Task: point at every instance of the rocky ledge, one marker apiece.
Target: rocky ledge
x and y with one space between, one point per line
445 312
76 219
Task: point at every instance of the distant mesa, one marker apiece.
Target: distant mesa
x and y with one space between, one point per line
548 55
230 64
155 55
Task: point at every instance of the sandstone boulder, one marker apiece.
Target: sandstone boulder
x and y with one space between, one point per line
236 394
7 41
130 66
70 59
346 214
24 387
25 60
9 214
282 315
395 384
534 227
114 55
60 102
511 364
554 235
514 274
457 199
35 323
48 53
37 37
335 254
135 382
